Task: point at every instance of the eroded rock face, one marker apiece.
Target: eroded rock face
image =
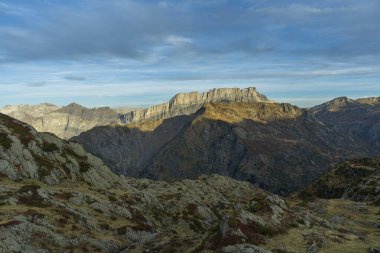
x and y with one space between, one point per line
65 122
188 103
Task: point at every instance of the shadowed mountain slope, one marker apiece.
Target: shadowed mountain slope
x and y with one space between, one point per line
279 147
359 118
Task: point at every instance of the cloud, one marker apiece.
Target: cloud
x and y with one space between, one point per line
37 84
107 47
140 29
178 40
12 9
74 78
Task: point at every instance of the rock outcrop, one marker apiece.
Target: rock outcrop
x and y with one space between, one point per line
189 103
358 180
27 154
65 122
279 147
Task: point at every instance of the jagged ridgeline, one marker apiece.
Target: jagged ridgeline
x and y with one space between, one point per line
237 133
229 131
189 103
71 120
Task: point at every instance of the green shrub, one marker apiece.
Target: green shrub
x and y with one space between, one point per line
33 199
104 226
121 230
112 198
29 188
5 142
49 147
21 130
84 166
192 209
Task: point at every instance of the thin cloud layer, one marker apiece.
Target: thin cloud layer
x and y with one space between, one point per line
242 42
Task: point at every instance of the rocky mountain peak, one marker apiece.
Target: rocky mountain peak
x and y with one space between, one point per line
188 103
218 95
75 106
88 113
333 105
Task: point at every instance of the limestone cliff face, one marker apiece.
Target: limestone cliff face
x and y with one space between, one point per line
71 120
65 122
188 103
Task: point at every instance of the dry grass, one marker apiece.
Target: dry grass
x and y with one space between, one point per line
259 112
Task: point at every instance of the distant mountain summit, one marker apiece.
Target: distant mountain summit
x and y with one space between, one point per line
230 131
333 105
353 117
188 103
71 120
28 112
345 104
66 121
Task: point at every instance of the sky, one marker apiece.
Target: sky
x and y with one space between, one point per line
141 52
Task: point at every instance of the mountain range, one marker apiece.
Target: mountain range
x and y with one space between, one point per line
56 197
232 132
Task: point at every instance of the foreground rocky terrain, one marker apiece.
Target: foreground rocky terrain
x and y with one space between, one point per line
54 197
278 147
